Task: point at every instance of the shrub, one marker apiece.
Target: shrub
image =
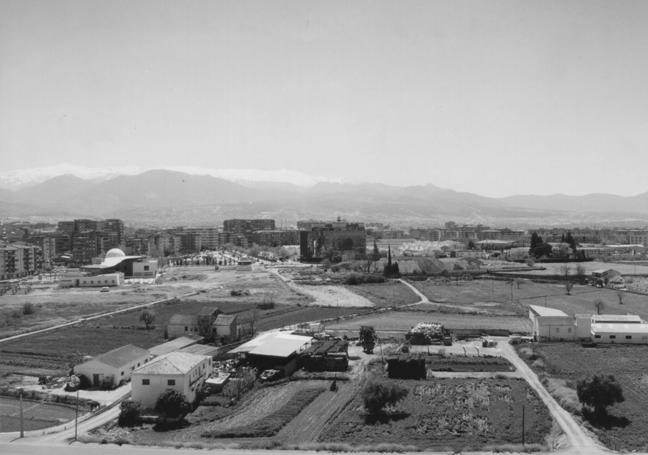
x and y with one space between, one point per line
407 368
377 395
28 308
599 392
172 404
130 414
367 339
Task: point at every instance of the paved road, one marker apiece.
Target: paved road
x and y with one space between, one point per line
92 317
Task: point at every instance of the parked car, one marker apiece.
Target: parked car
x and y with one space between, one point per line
104 289
269 375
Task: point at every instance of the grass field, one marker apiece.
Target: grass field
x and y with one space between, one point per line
440 414
402 321
36 414
388 294
499 297
572 362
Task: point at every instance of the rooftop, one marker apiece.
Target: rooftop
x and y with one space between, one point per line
616 318
122 356
274 344
173 345
617 328
182 319
225 319
547 312
172 363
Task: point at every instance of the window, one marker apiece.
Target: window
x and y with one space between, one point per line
122 373
597 336
186 328
146 381
557 329
612 337
146 268
171 382
628 337
569 330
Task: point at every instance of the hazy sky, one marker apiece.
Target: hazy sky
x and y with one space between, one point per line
494 97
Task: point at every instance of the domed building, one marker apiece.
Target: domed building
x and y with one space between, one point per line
131 266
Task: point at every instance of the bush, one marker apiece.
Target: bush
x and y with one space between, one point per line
172 404
28 308
407 368
130 415
377 395
599 392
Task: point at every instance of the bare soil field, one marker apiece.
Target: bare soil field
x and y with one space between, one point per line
37 414
388 294
449 414
571 362
402 321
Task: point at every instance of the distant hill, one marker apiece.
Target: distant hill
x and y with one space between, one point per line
162 197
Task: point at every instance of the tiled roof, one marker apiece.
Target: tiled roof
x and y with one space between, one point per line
173 345
173 363
122 356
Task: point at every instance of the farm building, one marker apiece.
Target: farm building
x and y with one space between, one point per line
113 367
181 325
180 371
606 277
618 328
274 350
225 327
174 345
326 355
550 324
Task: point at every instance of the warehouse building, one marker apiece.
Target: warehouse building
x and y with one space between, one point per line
550 324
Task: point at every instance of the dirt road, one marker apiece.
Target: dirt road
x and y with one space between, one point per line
580 441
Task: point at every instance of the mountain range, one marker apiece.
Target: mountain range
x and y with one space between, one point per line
166 197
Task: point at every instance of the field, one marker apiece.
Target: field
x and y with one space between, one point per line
441 414
467 364
37 415
572 362
53 305
399 322
590 266
388 294
497 297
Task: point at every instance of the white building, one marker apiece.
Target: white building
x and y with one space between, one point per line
113 367
550 324
618 328
180 371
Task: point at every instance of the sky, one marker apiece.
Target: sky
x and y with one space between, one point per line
493 97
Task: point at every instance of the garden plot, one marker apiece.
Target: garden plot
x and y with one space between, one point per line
332 296
450 414
571 362
36 414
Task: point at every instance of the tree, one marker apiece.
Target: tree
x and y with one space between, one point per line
620 296
580 270
204 326
377 395
564 270
375 256
568 287
368 338
535 241
571 241
172 404
599 305
599 392
148 317
130 414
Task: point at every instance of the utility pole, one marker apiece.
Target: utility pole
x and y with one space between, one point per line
22 428
523 441
76 416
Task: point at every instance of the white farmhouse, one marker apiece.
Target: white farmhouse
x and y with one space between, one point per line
113 367
619 328
180 371
550 324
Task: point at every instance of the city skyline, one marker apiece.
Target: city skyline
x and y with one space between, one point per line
496 98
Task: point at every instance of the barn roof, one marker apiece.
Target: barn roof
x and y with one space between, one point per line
173 345
225 319
616 328
616 318
122 356
546 312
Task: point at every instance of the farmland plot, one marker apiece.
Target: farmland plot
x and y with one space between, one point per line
36 414
453 414
388 294
572 362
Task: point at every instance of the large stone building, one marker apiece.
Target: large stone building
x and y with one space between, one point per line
335 241
18 260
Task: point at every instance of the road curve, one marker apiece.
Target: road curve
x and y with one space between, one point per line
421 296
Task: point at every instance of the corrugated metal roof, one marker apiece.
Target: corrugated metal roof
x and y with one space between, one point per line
122 356
173 345
545 312
616 318
172 363
617 328
274 344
